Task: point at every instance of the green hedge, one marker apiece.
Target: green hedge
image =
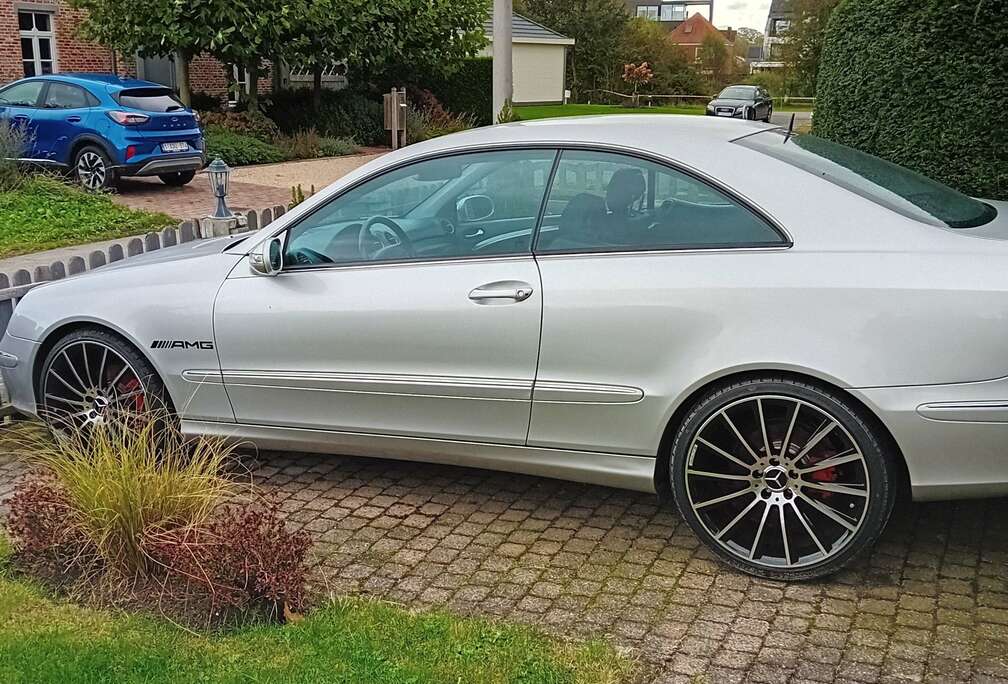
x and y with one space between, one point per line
921 84
239 150
468 91
343 114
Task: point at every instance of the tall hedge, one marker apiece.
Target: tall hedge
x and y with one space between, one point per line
466 90
922 83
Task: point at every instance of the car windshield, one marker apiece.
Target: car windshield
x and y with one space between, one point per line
150 100
894 187
737 93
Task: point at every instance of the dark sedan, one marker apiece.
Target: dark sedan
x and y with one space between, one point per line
742 102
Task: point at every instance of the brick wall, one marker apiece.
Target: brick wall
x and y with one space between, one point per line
72 53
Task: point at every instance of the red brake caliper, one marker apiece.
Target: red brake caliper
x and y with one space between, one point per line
132 385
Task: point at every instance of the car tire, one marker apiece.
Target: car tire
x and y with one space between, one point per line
768 115
92 168
746 476
177 179
92 371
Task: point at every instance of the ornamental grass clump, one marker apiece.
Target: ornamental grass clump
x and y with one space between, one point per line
118 482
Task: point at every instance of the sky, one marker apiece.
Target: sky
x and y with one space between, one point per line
736 13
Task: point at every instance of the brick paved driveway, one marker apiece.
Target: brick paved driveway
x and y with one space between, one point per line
930 604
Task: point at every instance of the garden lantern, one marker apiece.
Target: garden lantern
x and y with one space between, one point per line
218 173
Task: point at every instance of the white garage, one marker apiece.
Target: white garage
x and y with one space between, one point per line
539 58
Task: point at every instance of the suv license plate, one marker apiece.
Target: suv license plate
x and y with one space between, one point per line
174 146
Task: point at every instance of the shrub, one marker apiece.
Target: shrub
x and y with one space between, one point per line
916 96
467 91
254 125
238 150
117 483
244 557
13 143
343 114
336 147
431 123
300 144
298 195
42 524
205 102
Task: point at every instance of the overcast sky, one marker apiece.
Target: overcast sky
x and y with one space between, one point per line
736 13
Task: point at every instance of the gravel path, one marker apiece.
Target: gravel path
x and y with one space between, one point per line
317 172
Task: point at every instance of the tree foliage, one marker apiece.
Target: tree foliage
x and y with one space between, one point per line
802 49
913 82
644 40
594 62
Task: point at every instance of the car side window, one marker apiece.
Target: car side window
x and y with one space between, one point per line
601 201
65 96
24 94
464 205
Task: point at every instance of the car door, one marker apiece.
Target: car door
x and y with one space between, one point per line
636 258
386 319
19 107
65 114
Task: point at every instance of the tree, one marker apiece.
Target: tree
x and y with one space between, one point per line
596 27
802 49
644 40
637 75
752 36
715 59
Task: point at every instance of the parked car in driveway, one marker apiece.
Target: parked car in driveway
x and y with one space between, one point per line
775 331
99 128
742 102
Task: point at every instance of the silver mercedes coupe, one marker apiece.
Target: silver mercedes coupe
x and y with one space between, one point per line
777 332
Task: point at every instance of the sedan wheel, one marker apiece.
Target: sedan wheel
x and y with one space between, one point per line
781 479
92 374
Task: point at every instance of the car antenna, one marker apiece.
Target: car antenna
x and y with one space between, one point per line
790 127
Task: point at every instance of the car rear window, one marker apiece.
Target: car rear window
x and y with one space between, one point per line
150 99
904 191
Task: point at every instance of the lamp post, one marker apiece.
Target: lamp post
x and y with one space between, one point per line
218 173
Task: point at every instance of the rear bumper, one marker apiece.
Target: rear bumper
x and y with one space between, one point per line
954 437
159 165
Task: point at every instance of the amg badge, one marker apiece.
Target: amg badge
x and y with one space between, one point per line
181 344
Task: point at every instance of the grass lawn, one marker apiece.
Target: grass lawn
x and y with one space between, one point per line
44 213
46 640
549 111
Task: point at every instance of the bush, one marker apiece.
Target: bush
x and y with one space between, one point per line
13 143
205 102
245 557
919 96
114 484
254 125
343 114
468 91
239 150
431 123
336 147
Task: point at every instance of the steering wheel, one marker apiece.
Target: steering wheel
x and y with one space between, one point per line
380 234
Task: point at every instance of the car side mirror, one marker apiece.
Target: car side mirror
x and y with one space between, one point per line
267 258
475 208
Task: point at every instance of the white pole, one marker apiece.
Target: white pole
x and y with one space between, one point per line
502 73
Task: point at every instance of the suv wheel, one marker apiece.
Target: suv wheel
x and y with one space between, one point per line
93 169
178 178
782 479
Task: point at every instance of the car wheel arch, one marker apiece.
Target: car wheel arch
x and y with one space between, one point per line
87 140
683 407
52 337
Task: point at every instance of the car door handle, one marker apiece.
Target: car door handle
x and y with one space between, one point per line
487 292
475 234
73 119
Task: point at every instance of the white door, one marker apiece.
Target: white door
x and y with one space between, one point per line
410 305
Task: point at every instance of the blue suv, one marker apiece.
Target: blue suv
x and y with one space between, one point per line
100 127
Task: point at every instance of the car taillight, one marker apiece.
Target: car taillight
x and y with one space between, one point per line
128 118
130 151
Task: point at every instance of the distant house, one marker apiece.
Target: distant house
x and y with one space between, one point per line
538 60
779 20
669 13
690 35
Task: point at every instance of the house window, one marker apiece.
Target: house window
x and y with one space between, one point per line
780 26
673 13
37 43
241 82
648 12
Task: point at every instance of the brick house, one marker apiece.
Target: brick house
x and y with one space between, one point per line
40 37
690 35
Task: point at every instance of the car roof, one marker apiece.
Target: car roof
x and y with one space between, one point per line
112 80
687 138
